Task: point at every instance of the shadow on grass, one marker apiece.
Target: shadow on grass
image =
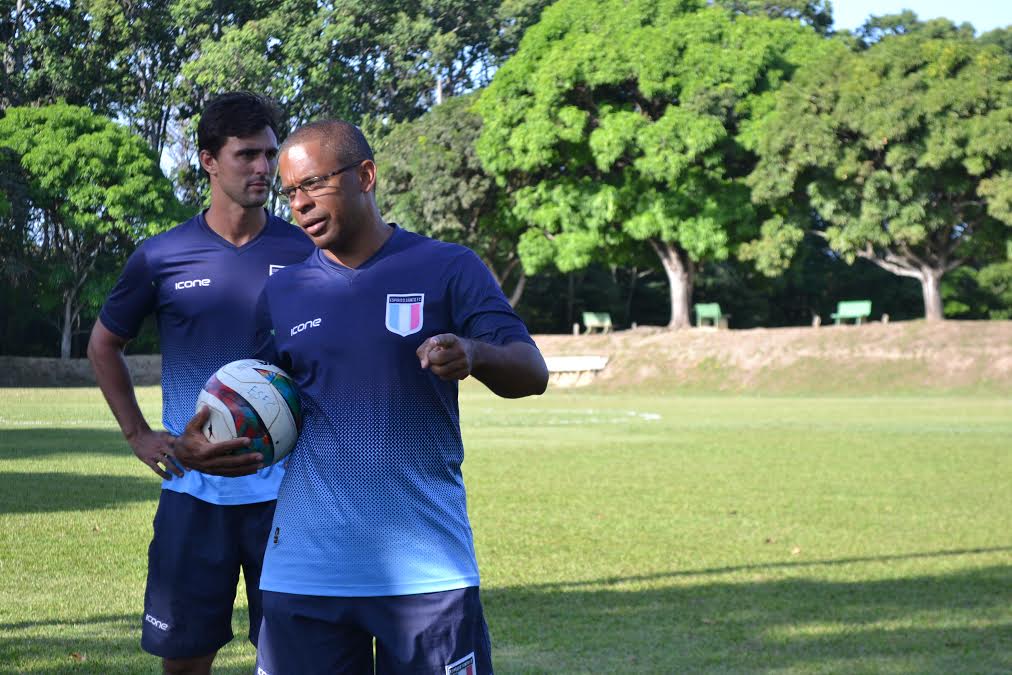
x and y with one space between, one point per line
944 623
958 622
47 492
102 645
34 443
798 564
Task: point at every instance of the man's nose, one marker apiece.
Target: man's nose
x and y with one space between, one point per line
263 165
300 201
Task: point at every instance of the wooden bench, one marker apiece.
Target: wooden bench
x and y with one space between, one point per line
852 309
574 371
708 311
597 321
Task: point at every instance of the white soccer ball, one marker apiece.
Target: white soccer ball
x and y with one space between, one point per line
255 399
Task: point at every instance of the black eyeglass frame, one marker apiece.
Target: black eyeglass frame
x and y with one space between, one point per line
313 183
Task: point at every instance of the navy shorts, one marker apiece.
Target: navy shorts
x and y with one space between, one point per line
440 633
193 569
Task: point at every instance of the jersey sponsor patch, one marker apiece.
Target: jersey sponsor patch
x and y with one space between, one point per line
405 314
464 666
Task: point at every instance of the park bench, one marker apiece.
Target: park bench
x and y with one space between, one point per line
597 320
574 371
709 311
852 309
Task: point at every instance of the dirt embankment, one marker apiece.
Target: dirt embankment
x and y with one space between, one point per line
908 357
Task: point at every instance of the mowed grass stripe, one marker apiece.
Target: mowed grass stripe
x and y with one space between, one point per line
615 533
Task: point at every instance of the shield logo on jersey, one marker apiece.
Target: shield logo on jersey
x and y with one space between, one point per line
464 666
404 313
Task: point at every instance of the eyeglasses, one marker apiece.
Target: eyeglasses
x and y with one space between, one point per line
312 186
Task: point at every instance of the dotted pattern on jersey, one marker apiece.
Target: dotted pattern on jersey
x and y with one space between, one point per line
380 497
373 501
204 325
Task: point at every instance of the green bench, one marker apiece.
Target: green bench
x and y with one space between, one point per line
708 311
852 309
597 321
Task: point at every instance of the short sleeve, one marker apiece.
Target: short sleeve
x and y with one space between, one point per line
264 344
133 297
479 309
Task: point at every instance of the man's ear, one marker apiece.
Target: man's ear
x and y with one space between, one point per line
208 162
367 175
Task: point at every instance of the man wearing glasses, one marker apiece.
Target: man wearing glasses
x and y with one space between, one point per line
371 538
201 279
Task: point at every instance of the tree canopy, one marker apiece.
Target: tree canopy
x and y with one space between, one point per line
92 186
432 182
623 122
903 150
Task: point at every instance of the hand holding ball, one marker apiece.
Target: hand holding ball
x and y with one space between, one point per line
253 399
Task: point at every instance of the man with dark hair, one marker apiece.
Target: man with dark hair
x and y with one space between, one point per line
371 538
201 279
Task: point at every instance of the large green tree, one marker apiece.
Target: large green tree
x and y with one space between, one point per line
619 122
903 150
815 13
56 51
432 182
385 59
94 188
376 63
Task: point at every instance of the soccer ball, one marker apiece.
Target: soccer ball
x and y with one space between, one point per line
255 399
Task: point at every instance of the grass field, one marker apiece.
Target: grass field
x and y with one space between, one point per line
615 534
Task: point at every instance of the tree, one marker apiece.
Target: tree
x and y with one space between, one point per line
94 189
815 13
388 59
55 51
433 183
902 150
618 122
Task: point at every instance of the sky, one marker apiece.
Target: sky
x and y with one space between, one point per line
985 15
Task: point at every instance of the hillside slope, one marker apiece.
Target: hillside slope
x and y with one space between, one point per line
908 358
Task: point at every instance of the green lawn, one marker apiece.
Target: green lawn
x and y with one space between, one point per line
615 534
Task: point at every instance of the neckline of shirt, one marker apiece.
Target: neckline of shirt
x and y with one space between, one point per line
202 222
350 272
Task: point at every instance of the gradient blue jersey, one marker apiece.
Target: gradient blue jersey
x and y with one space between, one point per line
203 291
373 499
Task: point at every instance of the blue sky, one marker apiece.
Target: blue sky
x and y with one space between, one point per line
985 15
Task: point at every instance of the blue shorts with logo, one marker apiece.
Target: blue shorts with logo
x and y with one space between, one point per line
440 633
194 560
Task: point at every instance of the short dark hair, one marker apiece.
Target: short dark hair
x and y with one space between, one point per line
238 114
343 140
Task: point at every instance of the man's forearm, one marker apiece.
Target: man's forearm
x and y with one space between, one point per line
113 378
511 371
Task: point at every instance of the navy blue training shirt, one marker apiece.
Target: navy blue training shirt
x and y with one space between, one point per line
373 500
203 290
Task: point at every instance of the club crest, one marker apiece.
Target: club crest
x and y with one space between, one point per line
405 313
464 666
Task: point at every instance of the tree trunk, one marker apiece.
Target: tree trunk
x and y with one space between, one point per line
518 290
931 280
633 278
905 263
67 327
570 298
680 271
